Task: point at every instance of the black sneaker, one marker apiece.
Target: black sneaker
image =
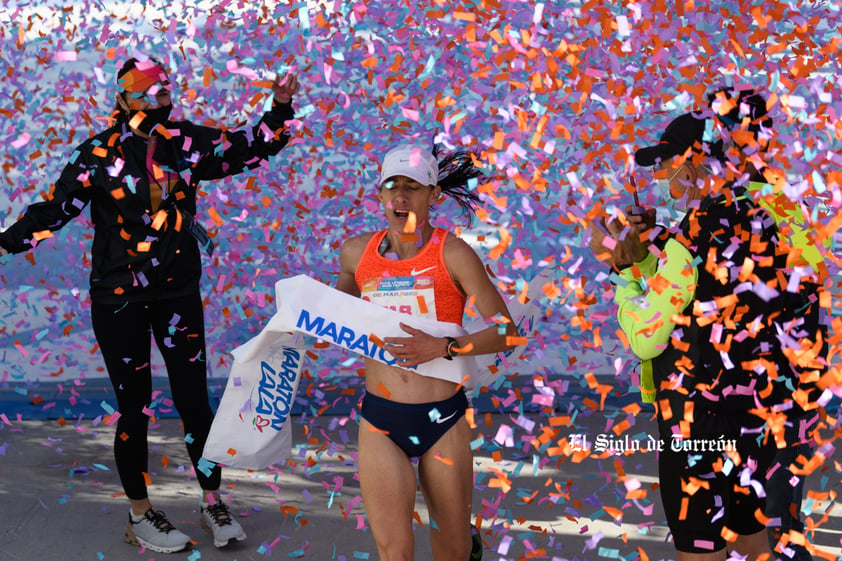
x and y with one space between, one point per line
476 545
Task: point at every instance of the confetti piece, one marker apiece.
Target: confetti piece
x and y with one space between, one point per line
66 56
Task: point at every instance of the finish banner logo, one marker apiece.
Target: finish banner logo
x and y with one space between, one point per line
276 391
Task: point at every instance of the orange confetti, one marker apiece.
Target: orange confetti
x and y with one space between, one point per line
614 513
442 459
505 240
215 217
728 535
469 416
382 389
621 427
411 221
560 421
134 123
499 136
159 220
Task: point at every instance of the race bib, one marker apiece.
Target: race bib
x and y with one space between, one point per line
407 295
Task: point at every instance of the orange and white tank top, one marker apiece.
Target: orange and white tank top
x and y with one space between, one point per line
419 286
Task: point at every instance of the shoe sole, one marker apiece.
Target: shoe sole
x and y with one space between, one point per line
207 528
131 538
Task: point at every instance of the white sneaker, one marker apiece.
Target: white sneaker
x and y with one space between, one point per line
156 533
217 519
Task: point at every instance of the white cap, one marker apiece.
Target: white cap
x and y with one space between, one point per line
412 161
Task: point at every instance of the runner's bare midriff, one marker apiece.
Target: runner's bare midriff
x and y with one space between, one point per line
405 386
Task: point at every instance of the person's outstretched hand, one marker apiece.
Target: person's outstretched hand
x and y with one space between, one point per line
284 87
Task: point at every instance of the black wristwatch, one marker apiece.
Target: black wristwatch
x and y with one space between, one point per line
450 352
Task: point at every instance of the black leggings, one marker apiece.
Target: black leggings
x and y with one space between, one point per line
123 335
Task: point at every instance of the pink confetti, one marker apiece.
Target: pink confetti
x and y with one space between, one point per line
66 56
22 140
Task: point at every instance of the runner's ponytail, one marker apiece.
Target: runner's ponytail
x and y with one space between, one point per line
456 169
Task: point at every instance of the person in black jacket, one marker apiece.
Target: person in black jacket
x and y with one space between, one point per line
140 178
705 311
747 129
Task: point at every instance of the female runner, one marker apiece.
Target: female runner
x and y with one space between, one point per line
407 416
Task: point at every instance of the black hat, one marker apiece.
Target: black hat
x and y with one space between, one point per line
687 131
128 65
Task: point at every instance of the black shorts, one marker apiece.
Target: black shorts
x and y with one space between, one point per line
415 427
702 489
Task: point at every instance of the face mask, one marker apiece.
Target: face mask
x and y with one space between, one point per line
664 187
154 117
666 191
144 82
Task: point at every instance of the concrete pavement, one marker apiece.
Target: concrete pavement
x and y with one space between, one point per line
61 498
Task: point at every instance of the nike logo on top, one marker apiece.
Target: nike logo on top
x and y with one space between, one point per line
415 272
